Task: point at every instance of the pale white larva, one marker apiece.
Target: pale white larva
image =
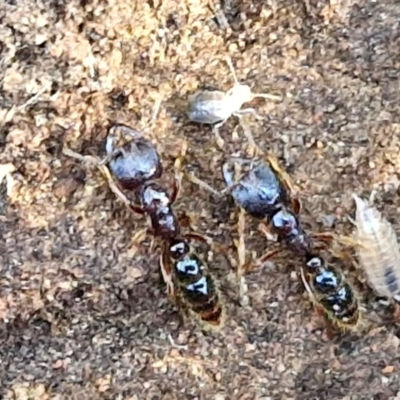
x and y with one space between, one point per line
212 106
377 248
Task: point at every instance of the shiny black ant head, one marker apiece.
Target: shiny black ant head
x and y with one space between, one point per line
315 263
285 223
178 248
134 162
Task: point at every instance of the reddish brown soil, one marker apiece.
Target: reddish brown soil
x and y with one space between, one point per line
83 312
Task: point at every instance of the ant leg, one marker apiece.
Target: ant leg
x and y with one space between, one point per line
178 172
265 229
324 236
296 205
107 175
255 150
176 346
267 256
200 238
166 271
242 265
307 286
110 156
126 130
219 193
283 175
73 154
251 111
118 192
318 310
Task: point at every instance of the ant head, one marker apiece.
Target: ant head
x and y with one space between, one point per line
178 248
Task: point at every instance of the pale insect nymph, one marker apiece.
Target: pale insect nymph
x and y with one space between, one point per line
215 106
377 248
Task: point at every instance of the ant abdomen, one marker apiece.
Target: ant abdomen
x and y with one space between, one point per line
331 293
194 287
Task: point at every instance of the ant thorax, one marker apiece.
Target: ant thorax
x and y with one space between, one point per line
286 223
154 196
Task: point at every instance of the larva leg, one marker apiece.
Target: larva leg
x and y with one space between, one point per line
345 256
348 241
267 96
251 111
176 346
218 137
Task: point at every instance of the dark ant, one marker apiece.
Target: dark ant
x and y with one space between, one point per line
265 192
136 166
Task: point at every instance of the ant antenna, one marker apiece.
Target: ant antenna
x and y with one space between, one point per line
254 95
232 69
156 110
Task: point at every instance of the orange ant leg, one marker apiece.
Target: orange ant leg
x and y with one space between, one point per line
118 192
283 175
266 230
267 256
167 274
178 173
107 175
296 206
200 238
242 267
324 236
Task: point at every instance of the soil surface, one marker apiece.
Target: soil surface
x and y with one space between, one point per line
84 314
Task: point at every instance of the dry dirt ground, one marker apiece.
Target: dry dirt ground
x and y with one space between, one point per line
83 312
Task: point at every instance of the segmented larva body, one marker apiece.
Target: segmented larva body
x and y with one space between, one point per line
378 249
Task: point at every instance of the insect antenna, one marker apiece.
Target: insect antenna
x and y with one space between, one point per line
232 69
